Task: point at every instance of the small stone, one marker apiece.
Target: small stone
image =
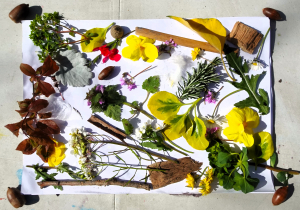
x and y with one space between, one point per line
280 81
116 32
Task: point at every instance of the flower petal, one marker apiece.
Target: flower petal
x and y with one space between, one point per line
150 52
133 53
252 118
235 117
231 133
247 139
133 40
146 40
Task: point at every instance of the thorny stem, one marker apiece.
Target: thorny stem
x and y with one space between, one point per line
226 69
261 45
140 110
223 99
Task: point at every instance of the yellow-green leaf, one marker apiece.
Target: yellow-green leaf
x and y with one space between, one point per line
209 29
164 104
176 126
96 41
195 135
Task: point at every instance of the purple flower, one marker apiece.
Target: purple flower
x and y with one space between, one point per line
132 86
98 88
212 130
89 103
101 88
210 97
175 45
101 101
167 42
123 81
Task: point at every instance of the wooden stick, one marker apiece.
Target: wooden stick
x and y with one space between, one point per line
96 121
275 168
177 39
102 182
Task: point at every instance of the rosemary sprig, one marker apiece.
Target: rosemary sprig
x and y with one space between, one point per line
199 80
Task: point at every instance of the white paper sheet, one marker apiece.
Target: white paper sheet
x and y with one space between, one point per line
75 96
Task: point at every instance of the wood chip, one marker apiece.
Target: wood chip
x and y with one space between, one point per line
175 172
245 37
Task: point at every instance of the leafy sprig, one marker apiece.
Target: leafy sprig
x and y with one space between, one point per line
197 82
43 173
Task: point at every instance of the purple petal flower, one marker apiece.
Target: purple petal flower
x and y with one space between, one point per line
123 81
167 42
89 103
97 88
132 86
101 101
175 45
101 88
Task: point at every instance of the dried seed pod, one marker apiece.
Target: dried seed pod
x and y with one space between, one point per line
19 13
116 32
105 72
272 14
280 195
15 197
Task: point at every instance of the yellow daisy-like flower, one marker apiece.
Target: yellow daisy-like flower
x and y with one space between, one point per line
241 122
190 181
57 155
140 47
195 53
204 186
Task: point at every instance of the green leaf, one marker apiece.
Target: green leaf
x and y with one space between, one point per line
58 187
227 182
273 159
243 162
176 126
249 84
281 176
127 126
72 33
151 84
246 185
135 103
114 112
149 145
195 135
223 158
164 104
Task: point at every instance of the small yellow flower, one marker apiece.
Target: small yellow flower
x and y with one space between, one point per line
190 181
140 47
196 53
241 122
57 155
204 186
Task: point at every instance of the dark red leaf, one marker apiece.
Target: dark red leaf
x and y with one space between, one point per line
41 138
24 104
48 126
27 70
45 88
22 112
26 147
49 67
27 126
39 70
45 115
37 105
14 128
42 153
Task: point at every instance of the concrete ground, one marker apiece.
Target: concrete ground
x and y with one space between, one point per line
286 60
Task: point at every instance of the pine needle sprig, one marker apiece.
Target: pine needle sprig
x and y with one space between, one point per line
198 82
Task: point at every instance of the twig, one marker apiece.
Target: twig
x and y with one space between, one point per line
102 182
276 168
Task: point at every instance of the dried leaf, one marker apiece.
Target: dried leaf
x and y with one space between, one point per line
42 152
26 147
48 126
41 138
45 88
49 67
22 112
27 70
14 128
72 69
45 115
24 104
37 105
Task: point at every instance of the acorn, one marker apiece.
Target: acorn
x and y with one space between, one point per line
272 14
116 32
105 72
19 13
15 197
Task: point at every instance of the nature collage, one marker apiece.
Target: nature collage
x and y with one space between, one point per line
232 144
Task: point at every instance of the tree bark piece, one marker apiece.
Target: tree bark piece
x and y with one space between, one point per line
98 122
174 172
103 182
245 37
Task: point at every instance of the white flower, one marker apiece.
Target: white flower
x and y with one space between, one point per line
138 133
255 65
214 121
157 126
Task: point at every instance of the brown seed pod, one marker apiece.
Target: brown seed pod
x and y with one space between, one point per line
272 14
280 195
116 32
19 13
15 197
105 72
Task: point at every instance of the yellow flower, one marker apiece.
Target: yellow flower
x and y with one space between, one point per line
140 47
190 181
241 122
204 186
57 154
195 53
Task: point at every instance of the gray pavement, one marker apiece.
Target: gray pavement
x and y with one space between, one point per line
286 62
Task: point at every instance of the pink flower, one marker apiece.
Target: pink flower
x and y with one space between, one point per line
212 130
132 86
89 103
210 97
101 88
123 81
101 101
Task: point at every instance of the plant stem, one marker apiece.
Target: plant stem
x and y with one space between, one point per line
275 168
141 72
140 110
128 167
166 138
137 148
226 69
261 45
224 98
